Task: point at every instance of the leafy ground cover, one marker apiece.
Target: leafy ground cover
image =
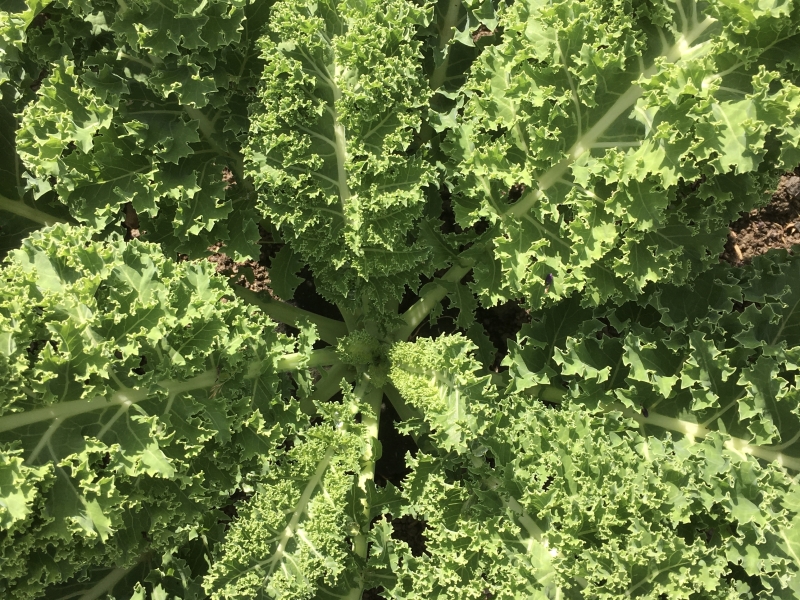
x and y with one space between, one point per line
402 299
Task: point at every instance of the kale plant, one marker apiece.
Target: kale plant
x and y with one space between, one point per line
167 433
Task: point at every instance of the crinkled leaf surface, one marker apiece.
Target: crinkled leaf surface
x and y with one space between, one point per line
129 387
339 103
295 538
145 111
438 378
636 131
587 156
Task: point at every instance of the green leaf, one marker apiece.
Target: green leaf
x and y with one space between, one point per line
151 122
125 377
292 537
330 134
617 122
283 273
438 377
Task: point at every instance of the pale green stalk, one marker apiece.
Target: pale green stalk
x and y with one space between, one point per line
696 431
329 330
351 319
445 36
371 420
21 209
124 397
317 358
422 307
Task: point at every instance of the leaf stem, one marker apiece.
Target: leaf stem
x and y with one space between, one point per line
329 330
127 396
371 420
21 209
696 431
422 307
445 35
327 387
322 357
300 509
351 319
206 125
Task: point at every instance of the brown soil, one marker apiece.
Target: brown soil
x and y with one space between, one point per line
502 323
228 178
131 223
776 225
481 32
252 274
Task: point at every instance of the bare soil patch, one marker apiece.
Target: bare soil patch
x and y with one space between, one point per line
776 225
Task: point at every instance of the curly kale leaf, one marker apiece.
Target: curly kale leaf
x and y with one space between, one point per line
440 379
610 143
341 97
136 395
312 530
565 504
141 107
